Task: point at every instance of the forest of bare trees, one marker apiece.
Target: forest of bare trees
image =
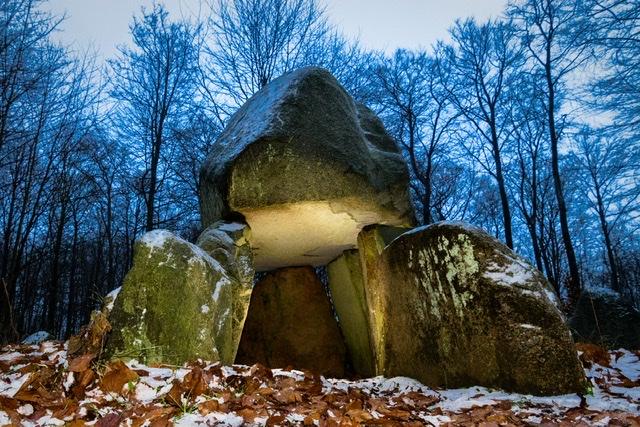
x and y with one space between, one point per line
527 126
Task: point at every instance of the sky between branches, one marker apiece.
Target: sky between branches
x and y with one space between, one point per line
101 25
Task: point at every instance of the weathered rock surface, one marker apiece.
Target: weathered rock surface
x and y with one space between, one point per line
307 168
109 301
228 243
290 323
175 305
603 318
451 306
371 242
350 302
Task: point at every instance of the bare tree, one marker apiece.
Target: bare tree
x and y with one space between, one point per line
45 111
153 84
418 110
482 64
610 180
554 31
616 28
254 41
531 180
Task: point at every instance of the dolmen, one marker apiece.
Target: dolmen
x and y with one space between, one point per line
309 259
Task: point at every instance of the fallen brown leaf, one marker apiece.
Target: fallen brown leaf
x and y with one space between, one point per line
275 420
208 407
109 420
247 414
358 415
82 382
117 375
81 363
288 395
592 353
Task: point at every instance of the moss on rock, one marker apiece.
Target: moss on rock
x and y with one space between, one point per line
228 243
175 305
454 307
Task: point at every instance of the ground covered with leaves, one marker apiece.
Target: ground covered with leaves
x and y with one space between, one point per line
41 385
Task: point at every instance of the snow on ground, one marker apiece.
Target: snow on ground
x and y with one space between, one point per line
627 363
39 386
37 338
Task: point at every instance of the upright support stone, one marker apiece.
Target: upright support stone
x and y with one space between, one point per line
290 323
175 305
228 243
454 307
371 242
349 300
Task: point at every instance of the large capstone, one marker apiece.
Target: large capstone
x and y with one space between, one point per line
307 168
290 323
175 305
228 243
453 307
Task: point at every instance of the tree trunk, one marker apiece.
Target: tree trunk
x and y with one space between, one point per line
111 277
573 285
604 226
504 200
54 284
73 311
424 180
153 182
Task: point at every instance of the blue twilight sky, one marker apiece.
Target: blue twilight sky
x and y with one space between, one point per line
379 24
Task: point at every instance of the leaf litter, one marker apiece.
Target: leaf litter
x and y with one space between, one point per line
45 385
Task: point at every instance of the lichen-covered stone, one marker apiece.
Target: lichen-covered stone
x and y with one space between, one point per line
302 158
349 302
290 323
604 318
228 243
454 307
175 305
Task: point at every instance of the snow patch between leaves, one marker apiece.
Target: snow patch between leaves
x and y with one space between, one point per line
292 394
12 383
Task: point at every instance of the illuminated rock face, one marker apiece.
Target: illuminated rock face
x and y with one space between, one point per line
351 295
307 168
349 301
